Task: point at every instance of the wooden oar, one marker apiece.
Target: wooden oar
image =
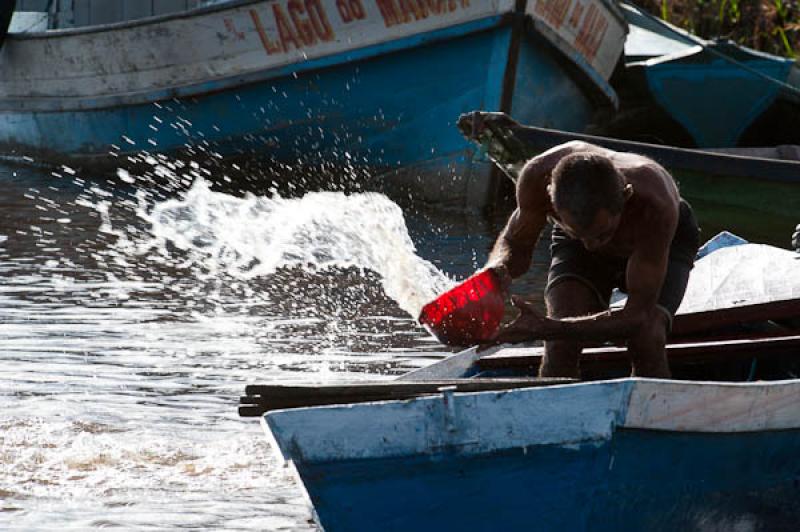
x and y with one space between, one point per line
697 323
263 398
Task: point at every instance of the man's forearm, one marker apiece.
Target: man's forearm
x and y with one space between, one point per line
607 325
515 259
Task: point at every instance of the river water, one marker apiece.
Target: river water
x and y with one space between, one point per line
133 316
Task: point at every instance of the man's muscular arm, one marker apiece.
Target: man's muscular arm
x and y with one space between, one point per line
647 267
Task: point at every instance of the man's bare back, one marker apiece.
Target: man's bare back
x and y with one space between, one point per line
651 210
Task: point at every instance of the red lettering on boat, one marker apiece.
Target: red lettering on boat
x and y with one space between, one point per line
391 15
319 20
577 13
592 32
301 25
286 32
350 10
270 46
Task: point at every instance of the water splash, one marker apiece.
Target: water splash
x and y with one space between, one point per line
255 236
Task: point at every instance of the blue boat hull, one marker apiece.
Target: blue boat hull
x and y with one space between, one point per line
386 109
638 480
697 92
689 92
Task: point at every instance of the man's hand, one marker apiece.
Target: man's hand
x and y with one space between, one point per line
503 277
529 325
473 125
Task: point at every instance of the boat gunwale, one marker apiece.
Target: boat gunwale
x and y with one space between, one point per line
21 105
612 7
656 405
538 139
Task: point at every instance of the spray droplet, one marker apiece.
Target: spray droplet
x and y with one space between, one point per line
125 176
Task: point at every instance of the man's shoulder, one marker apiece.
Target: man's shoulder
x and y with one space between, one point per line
532 191
644 171
634 161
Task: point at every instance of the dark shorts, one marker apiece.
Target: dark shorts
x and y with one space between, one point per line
602 273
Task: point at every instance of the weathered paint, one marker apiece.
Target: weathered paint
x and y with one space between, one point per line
632 454
542 90
74 13
721 407
211 44
591 33
485 422
344 116
467 424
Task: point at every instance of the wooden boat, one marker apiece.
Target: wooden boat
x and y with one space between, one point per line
676 88
627 454
346 83
728 190
431 451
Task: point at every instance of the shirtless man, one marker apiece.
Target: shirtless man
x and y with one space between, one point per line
618 221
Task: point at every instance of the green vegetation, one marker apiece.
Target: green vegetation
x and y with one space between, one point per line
768 25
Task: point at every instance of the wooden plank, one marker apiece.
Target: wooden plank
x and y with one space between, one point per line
263 398
722 408
678 352
697 322
454 366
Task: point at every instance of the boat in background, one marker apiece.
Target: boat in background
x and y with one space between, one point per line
371 87
678 89
747 194
445 448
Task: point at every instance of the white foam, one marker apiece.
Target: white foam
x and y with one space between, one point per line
256 235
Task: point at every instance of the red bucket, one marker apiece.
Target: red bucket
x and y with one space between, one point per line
468 314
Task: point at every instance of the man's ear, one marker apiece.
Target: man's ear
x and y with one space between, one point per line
627 192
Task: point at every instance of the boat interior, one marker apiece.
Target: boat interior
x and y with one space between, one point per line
747 343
